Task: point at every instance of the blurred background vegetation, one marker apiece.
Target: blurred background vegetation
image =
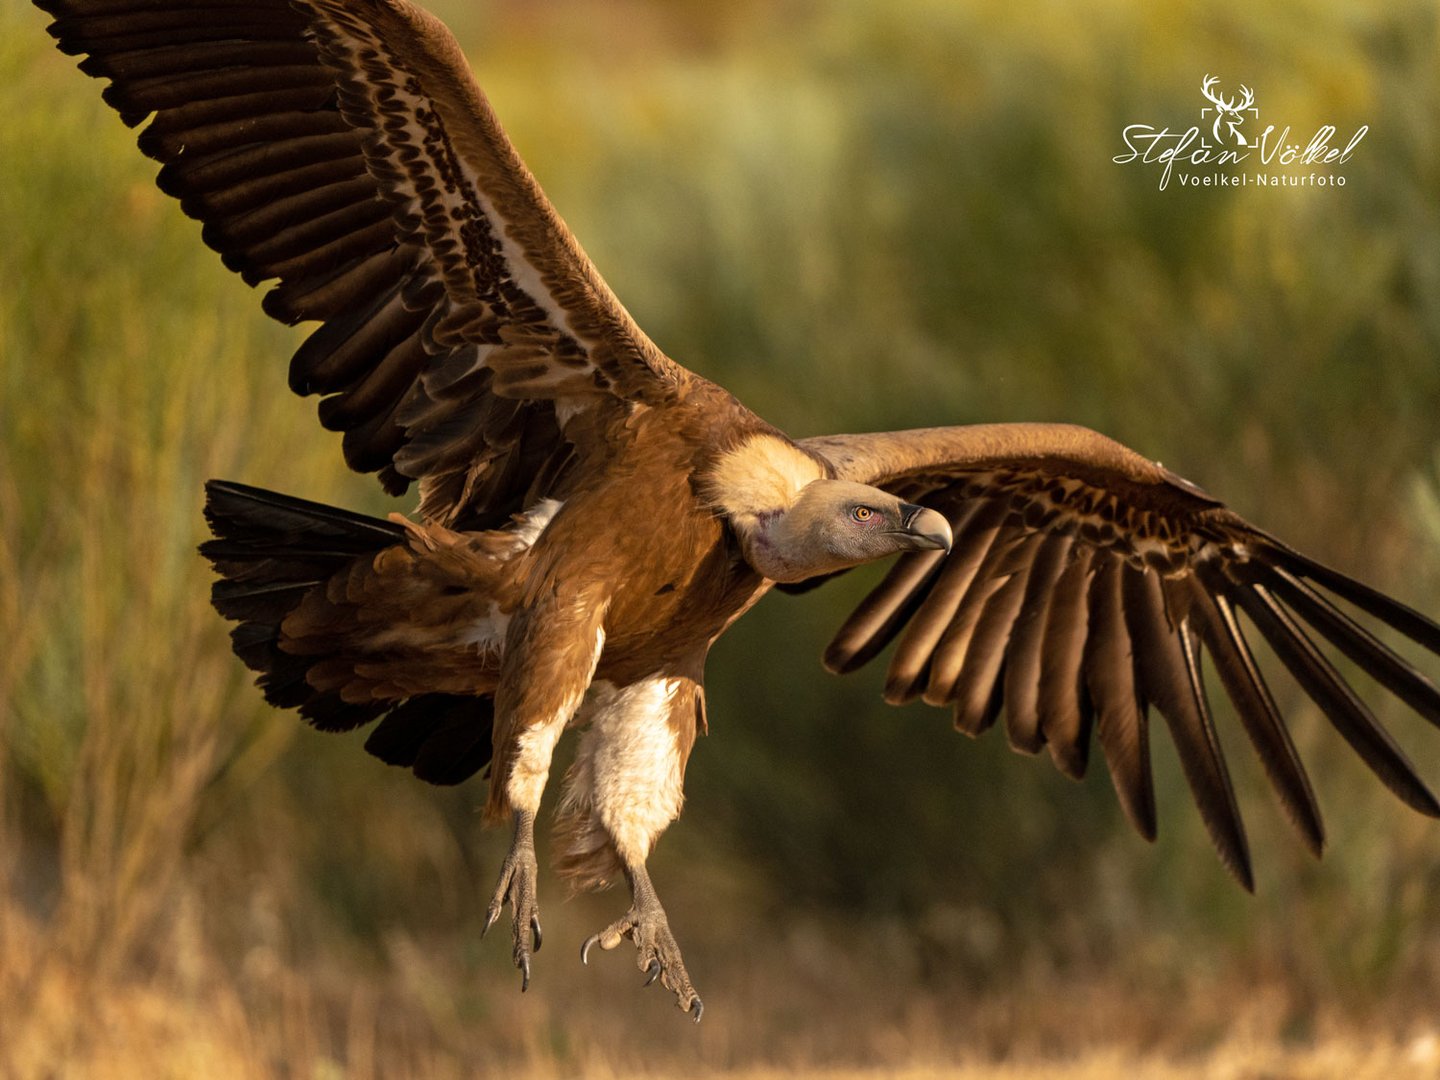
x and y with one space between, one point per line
855 216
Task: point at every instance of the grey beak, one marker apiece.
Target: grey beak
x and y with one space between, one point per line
926 528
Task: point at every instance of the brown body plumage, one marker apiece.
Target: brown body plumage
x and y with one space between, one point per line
593 515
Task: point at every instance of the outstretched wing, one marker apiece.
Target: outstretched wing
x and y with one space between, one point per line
343 148
1085 584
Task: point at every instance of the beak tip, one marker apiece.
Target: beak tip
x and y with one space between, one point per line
930 527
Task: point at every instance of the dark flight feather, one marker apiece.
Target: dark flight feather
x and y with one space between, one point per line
1026 657
1122 725
1167 673
1064 702
1138 574
1351 717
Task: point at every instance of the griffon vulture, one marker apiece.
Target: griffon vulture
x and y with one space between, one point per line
592 515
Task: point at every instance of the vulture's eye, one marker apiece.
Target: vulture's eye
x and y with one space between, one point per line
862 514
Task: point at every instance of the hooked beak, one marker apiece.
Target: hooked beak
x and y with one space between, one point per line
926 528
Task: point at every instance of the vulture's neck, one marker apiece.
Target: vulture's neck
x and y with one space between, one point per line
755 486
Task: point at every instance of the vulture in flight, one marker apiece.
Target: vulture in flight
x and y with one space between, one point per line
593 516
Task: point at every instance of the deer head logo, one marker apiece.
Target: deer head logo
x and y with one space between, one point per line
1228 111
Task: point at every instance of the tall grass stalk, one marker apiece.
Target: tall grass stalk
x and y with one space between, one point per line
855 216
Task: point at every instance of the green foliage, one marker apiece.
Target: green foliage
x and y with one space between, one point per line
855 216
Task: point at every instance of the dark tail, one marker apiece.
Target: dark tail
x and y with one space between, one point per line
270 550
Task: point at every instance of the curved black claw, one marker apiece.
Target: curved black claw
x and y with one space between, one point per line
608 938
698 1008
516 887
658 954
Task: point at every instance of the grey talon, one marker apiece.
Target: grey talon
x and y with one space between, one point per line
646 927
516 887
698 1008
585 948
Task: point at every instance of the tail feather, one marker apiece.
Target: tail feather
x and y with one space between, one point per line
270 551
439 736
267 603
228 504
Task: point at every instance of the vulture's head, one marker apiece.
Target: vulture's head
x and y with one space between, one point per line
836 524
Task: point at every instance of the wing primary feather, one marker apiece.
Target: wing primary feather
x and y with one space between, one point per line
1063 694
302 235
1120 715
1407 620
252 226
879 617
188 177
1319 679
982 719
171 90
76 35
239 112
1026 656
378 390
1220 632
1352 639
201 56
1167 669
974 538
328 295
1228 830
342 350
246 194
946 658
369 446
228 135
378 236
979 675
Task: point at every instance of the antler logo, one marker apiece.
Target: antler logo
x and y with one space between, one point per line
1232 157
1229 111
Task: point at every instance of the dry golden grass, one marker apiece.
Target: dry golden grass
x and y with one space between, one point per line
808 1004
193 886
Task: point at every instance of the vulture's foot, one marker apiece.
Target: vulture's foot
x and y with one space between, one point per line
517 888
658 955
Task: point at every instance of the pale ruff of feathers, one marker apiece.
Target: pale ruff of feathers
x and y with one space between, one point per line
762 475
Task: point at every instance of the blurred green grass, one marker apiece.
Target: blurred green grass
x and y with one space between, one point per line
855 217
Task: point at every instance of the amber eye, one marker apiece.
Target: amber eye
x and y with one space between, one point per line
862 513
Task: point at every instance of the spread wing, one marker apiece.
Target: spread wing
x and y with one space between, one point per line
342 148
1085 585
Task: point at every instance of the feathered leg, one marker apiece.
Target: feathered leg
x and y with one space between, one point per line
621 793
550 655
